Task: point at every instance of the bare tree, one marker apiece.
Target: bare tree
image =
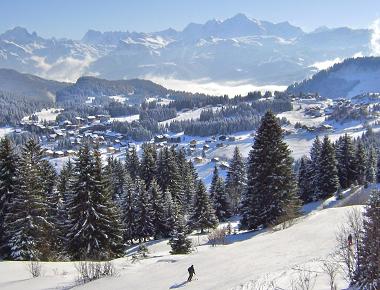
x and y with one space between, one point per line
34 268
330 267
305 279
346 253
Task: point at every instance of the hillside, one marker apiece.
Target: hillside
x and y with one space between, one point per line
247 257
350 78
95 87
34 87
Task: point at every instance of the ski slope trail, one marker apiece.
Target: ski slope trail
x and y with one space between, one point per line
234 266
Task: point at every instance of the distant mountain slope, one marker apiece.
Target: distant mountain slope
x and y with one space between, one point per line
95 87
236 49
29 85
352 77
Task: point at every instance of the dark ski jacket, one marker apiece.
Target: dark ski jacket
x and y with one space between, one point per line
191 270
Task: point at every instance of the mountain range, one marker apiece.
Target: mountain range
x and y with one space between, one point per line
236 49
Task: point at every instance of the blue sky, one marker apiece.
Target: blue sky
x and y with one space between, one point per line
72 18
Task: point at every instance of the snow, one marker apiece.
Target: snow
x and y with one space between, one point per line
188 115
45 115
246 258
5 130
128 119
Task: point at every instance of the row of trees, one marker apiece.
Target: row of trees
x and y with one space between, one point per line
334 166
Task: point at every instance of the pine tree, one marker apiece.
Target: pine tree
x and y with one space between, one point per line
328 182
8 165
148 164
132 163
314 166
214 179
179 242
203 215
368 270
345 155
371 165
189 180
27 223
129 210
361 163
305 178
94 229
144 221
159 210
220 200
236 179
64 191
114 173
271 188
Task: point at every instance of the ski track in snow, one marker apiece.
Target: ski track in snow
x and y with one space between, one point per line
247 258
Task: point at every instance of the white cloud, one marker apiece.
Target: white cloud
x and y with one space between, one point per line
67 69
375 38
213 88
326 64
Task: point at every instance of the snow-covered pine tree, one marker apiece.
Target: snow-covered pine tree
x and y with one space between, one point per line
48 179
179 242
345 155
305 178
271 188
64 191
94 229
236 179
169 176
189 181
367 274
148 166
371 165
361 163
315 154
203 215
26 224
214 179
159 210
132 163
129 210
8 165
220 200
144 221
328 182
114 173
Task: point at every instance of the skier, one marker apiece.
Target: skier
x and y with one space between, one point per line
191 273
349 240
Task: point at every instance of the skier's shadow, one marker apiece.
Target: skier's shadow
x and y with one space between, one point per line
175 286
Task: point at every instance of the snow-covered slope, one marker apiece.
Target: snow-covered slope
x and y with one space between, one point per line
246 258
347 79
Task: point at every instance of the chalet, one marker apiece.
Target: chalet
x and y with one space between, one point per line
49 153
160 138
224 165
58 154
219 145
193 142
232 138
70 153
206 147
222 138
111 150
215 160
91 119
198 159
